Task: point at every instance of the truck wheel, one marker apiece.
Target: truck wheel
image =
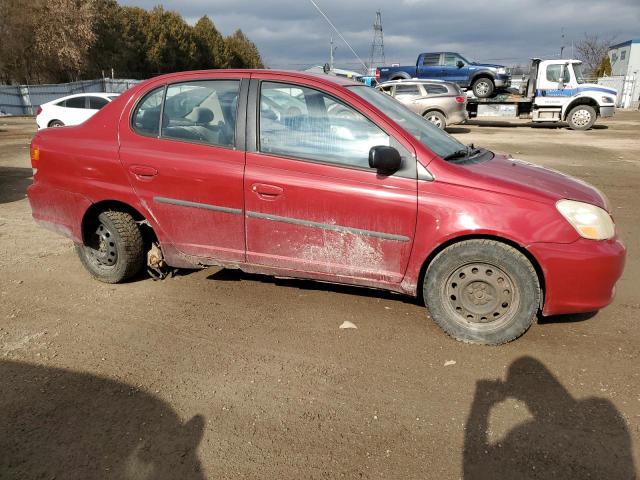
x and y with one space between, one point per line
581 117
437 118
56 123
482 291
113 250
483 87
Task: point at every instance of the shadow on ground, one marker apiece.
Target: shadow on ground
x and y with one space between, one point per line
565 439
229 275
570 318
61 424
13 183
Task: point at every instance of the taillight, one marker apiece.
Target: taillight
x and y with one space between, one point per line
39 110
460 99
35 155
377 74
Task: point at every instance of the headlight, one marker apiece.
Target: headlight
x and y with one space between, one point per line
607 100
589 221
501 71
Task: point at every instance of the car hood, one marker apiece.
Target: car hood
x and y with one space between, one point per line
523 179
487 65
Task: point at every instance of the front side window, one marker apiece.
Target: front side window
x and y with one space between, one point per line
554 72
146 117
304 123
96 103
451 60
408 90
202 112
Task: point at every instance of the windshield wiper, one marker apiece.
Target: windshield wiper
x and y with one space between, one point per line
457 154
468 151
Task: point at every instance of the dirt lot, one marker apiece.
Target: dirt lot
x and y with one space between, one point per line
218 374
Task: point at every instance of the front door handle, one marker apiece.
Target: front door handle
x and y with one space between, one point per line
143 171
267 192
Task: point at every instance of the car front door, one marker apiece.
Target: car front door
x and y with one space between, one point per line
185 162
451 69
312 203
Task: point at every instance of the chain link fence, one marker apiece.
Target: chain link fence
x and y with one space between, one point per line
25 99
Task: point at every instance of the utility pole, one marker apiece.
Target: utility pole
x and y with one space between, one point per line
562 42
332 50
377 45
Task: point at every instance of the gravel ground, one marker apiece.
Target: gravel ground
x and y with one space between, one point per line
220 374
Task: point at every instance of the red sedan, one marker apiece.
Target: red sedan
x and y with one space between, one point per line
318 177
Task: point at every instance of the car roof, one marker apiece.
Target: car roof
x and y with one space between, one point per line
334 79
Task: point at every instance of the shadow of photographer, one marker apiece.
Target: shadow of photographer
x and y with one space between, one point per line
566 438
60 424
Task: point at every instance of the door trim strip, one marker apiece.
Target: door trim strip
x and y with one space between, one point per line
329 226
205 206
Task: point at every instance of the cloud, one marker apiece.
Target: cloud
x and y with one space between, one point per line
292 34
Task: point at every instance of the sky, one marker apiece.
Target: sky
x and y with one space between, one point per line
292 34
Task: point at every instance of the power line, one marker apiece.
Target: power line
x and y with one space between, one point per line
338 32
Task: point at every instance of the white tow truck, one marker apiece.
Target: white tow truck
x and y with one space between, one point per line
556 91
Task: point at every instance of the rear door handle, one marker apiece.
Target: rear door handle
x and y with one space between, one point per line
268 192
143 171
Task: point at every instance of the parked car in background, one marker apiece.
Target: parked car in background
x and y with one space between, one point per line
71 110
442 103
483 78
320 177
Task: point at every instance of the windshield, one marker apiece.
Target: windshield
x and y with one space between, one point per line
423 130
577 69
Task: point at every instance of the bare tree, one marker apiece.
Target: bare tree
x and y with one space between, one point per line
592 50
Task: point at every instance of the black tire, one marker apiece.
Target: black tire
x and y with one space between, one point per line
483 87
114 248
437 118
482 291
56 123
581 117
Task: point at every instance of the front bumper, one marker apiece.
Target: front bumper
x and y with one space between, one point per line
607 111
580 276
503 81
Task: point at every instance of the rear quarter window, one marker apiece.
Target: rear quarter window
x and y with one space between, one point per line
433 89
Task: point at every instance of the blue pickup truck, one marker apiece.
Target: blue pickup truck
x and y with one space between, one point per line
484 79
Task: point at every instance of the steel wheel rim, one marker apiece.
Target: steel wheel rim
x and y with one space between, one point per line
581 118
482 88
480 296
437 121
103 247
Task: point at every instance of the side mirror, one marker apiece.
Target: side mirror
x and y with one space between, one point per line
460 63
384 159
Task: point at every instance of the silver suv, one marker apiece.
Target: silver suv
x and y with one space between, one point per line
442 103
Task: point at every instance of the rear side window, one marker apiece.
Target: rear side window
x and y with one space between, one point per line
96 103
203 112
431 59
146 117
76 102
436 89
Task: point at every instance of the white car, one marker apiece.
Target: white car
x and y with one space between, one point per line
71 110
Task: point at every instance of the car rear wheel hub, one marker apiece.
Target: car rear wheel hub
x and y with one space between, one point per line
103 248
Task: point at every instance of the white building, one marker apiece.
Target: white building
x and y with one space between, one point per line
625 62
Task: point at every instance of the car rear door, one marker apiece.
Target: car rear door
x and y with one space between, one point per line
312 203
429 66
185 160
